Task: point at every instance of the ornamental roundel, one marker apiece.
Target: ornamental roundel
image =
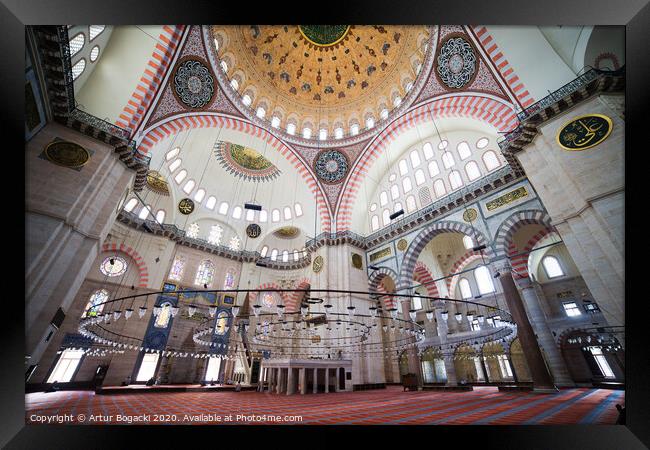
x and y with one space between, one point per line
470 215
253 231
186 206
318 264
193 84
67 154
331 166
456 62
401 245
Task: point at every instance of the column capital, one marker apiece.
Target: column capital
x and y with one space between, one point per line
524 282
501 266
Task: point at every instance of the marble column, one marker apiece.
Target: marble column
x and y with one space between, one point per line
542 380
336 380
291 381
544 335
412 352
303 381
280 381
327 380
441 325
315 380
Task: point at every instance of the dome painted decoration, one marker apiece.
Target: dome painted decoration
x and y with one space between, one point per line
333 74
244 162
331 166
456 62
193 84
157 183
287 232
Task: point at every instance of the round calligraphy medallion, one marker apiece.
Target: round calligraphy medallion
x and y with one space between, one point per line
318 263
584 132
67 154
253 230
186 206
470 215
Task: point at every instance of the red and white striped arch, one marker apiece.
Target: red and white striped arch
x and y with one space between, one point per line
270 286
464 261
515 85
487 109
154 72
422 275
130 251
294 298
518 262
375 285
212 120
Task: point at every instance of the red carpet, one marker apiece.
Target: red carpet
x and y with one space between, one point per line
485 405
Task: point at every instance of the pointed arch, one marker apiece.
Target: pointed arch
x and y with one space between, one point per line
294 298
135 256
514 222
271 286
422 275
375 285
462 262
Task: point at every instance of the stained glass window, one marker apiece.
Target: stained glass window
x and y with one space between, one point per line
113 266
93 307
234 243
229 281
268 300
176 271
214 237
205 273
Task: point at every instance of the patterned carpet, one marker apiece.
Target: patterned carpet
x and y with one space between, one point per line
484 405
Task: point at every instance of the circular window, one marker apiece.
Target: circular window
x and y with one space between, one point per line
94 53
482 143
443 145
113 266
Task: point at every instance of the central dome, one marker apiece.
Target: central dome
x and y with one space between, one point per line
321 76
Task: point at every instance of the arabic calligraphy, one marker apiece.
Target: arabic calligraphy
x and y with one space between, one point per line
584 132
186 206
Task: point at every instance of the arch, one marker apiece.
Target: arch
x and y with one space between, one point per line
462 262
519 263
422 275
424 237
165 130
272 286
294 298
134 111
513 223
375 285
486 109
139 261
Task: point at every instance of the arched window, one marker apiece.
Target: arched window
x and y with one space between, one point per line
285 256
274 254
419 177
384 113
175 165
465 289
229 279
198 197
415 159
78 68
552 267
223 208
406 185
306 132
93 307
463 150
236 212
173 152
165 314
189 186
322 134
211 203
264 251
296 256
298 208
235 84
205 273
394 192
484 280
427 149
216 232
397 207
144 212
385 217
246 100
234 243
193 230
287 213
261 112
354 129
439 188
250 215
472 170
76 44
160 216
275 215
425 196
490 160
468 242
455 179
383 198
411 205
374 222
180 176
448 160
264 215
433 169
95 30
94 53
397 101
370 122
113 266
417 302
130 204
291 129
403 167
176 272
224 66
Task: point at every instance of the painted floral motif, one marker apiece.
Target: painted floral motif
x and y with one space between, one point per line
193 84
331 166
456 62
